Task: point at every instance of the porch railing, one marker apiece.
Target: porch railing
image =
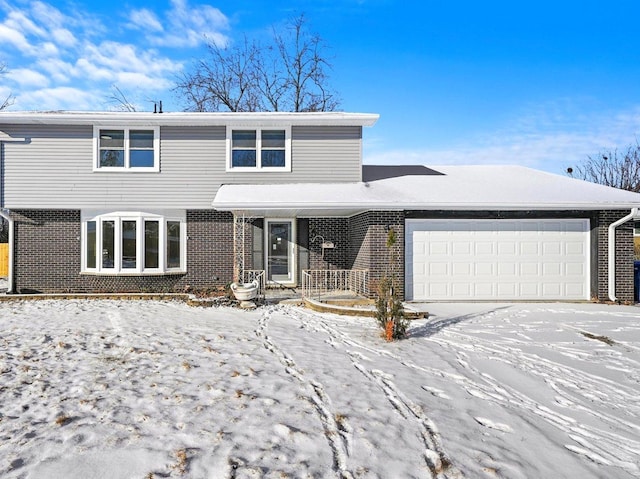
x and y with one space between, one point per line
319 282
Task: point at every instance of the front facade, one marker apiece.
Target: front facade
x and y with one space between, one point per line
174 202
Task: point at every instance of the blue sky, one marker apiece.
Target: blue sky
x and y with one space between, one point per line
535 83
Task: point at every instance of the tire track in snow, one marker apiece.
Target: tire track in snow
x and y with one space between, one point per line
337 434
435 456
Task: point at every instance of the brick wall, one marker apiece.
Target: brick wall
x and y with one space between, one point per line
624 256
359 241
334 230
209 249
368 246
48 252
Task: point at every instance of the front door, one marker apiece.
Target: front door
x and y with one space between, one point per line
280 251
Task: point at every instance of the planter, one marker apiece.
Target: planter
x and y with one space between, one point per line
245 291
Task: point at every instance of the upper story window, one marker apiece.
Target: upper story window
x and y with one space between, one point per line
126 149
636 228
264 149
133 243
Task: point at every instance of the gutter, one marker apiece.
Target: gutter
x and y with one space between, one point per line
612 251
4 214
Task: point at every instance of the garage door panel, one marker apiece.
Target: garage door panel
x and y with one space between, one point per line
507 269
529 247
574 248
529 290
552 269
461 290
497 259
575 289
438 269
484 289
575 269
551 247
462 269
529 269
507 248
506 290
438 289
484 269
438 248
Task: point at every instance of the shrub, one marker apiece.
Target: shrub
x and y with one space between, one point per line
389 310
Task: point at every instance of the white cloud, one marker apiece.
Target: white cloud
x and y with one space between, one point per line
119 57
48 15
64 37
55 52
138 80
95 72
14 37
145 20
59 98
18 20
47 49
58 70
190 26
26 77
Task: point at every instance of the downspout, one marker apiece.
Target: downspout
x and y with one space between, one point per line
612 251
5 215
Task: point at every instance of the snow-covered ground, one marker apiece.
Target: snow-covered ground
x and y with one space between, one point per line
115 389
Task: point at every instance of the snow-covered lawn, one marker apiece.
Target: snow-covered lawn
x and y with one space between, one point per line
115 389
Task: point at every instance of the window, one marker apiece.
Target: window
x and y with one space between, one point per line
133 243
636 228
126 149
259 149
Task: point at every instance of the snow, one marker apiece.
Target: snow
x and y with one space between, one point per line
144 389
459 187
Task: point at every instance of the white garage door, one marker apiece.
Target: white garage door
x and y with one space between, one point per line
497 259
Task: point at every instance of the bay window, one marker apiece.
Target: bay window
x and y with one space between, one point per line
133 243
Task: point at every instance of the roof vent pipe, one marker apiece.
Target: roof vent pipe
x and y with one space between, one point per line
612 251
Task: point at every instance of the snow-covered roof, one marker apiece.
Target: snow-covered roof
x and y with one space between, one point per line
436 188
186 118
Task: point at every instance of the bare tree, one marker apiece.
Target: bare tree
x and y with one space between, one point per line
612 168
121 101
288 74
8 101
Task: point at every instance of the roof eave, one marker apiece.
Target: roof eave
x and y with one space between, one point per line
364 206
188 118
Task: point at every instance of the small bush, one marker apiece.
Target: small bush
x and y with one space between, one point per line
389 311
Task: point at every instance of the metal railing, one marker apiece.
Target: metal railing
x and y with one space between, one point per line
319 282
248 275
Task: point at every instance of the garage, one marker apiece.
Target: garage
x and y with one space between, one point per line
514 259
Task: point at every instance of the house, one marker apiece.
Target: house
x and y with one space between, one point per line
131 202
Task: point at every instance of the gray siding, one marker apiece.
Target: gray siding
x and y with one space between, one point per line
53 169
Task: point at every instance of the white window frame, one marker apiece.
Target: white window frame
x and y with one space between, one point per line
259 167
127 167
139 218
